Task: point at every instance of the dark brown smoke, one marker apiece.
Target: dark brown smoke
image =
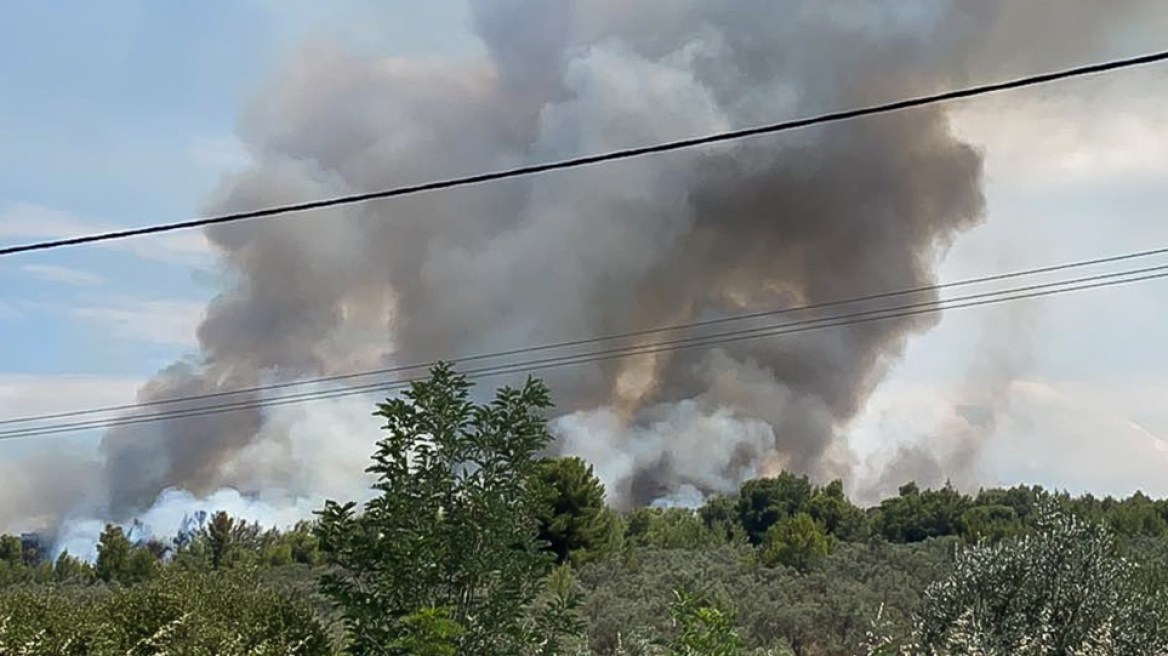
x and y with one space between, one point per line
812 216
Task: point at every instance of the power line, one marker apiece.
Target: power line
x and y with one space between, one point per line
929 307
589 160
1111 259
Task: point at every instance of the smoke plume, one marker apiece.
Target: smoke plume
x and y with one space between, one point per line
818 215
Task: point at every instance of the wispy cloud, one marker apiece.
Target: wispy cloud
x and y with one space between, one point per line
1066 140
26 395
223 154
7 311
1082 436
157 321
25 221
64 275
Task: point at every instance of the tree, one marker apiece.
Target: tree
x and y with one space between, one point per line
68 569
720 514
141 567
702 628
454 526
670 528
11 550
762 502
113 555
182 613
220 538
990 523
796 541
840 518
915 515
1058 591
572 517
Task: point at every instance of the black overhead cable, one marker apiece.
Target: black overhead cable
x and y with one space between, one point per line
929 307
588 160
1111 259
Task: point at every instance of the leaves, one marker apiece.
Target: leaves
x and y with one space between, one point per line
1060 590
454 525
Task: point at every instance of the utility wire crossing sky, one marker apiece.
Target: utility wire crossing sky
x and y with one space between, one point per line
1046 78
1098 281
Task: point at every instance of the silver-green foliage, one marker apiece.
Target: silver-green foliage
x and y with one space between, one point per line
1060 590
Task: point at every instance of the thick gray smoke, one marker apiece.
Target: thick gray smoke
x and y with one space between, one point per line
812 216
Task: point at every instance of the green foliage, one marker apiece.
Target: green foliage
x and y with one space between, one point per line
1138 516
113 556
572 516
1059 590
68 569
11 551
670 528
720 515
797 541
991 523
220 534
824 611
554 623
176 614
454 525
141 567
915 515
840 518
762 502
702 628
427 632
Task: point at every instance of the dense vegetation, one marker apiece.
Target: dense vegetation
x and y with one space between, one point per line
476 545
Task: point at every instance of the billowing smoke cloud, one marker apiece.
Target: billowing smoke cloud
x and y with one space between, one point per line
953 450
813 216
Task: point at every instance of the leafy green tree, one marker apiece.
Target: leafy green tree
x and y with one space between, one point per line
226 614
702 628
915 515
454 525
1058 591
304 544
670 528
797 541
142 566
554 625
1137 515
1022 499
991 523
428 632
68 569
762 502
720 514
840 518
220 538
113 555
572 517
11 550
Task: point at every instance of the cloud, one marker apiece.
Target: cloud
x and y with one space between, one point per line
7 311
1061 140
64 275
158 321
32 394
1094 436
44 478
226 154
26 221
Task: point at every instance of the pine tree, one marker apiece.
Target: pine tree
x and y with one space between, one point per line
113 555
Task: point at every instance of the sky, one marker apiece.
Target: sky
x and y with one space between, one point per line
123 113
